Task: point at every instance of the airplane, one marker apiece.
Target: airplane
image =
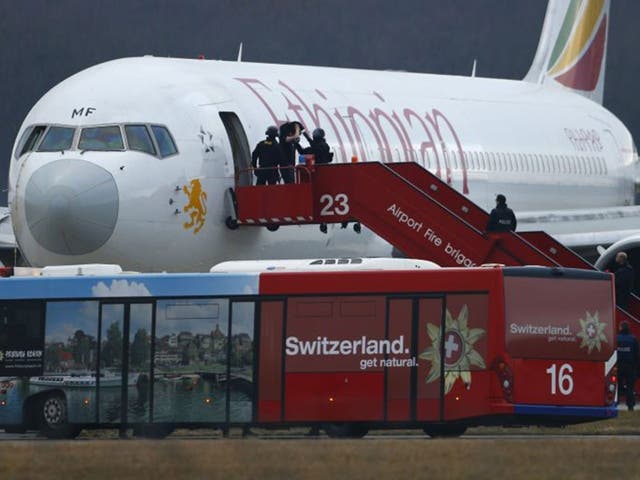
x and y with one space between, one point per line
128 161
7 239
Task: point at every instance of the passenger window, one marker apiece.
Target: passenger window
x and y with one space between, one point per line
139 139
29 140
165 142
57 139
101 139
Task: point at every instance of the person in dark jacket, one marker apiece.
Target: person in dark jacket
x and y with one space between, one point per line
266 158
627 349
318 147
289 144
624 276
501 218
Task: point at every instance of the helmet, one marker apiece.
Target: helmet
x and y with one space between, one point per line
272 131
501 199
318 133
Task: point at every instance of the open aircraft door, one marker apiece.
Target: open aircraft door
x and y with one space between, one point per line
239 147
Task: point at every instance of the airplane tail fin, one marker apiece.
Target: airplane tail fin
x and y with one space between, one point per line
572 48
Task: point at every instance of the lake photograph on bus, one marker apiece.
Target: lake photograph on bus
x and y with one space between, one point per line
191 361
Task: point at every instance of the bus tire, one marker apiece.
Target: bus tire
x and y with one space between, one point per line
153 431
345 430
53 421
445 430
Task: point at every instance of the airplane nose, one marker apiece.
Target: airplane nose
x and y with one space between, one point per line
71 206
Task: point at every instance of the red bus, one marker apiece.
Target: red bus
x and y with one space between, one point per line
347 351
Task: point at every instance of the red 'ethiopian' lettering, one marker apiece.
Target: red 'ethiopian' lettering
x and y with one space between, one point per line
350 128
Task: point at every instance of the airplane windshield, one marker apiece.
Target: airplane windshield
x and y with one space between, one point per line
101 138
29 139
139 139
56 139
155 140
165 142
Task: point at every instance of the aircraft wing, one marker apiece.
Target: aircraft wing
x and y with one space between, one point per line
589 232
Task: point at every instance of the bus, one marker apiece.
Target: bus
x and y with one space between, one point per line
346 351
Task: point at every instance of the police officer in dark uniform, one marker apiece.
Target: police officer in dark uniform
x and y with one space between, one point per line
627 347
624 276
267 156
289 144
318 147
501 218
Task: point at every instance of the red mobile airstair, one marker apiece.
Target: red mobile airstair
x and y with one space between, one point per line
410 208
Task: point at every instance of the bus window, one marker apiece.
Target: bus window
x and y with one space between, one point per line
241 361
138 395
71 350
111 363
21 325
191 360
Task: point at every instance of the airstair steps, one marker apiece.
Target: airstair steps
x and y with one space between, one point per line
412 209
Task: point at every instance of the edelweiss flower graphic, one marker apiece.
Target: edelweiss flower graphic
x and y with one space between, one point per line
459 354
592 333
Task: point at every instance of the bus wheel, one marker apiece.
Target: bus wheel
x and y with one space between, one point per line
152 431
445 431
345 430
53 421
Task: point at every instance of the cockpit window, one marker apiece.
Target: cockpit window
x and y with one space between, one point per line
101 138
29 139
57 139
165 142
139 139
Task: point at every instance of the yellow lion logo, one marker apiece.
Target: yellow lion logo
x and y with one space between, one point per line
197 206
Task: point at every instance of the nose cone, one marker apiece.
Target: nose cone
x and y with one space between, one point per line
71 206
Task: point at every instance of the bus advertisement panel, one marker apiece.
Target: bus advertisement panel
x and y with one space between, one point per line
559 331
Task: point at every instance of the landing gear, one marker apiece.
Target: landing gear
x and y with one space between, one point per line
273 228
232 223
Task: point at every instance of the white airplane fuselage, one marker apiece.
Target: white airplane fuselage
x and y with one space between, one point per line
542 146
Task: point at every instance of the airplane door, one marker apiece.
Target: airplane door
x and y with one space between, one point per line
239 147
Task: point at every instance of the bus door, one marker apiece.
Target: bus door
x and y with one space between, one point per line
414 375
442 375
123 381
